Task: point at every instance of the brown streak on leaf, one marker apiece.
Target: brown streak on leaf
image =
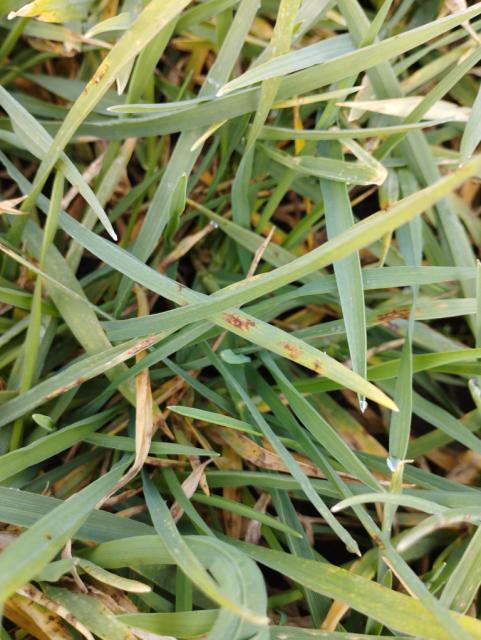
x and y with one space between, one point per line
262 457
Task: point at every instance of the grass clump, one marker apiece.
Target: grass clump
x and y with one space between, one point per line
240 314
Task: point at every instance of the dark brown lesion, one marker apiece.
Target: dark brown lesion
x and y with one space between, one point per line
239 322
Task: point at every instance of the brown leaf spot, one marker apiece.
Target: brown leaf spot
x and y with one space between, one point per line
395 314
317 366
378 541
101 71
293 351
239 322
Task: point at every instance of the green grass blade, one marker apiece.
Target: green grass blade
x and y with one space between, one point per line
472 132
35 548
184 557
394 609
339 218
